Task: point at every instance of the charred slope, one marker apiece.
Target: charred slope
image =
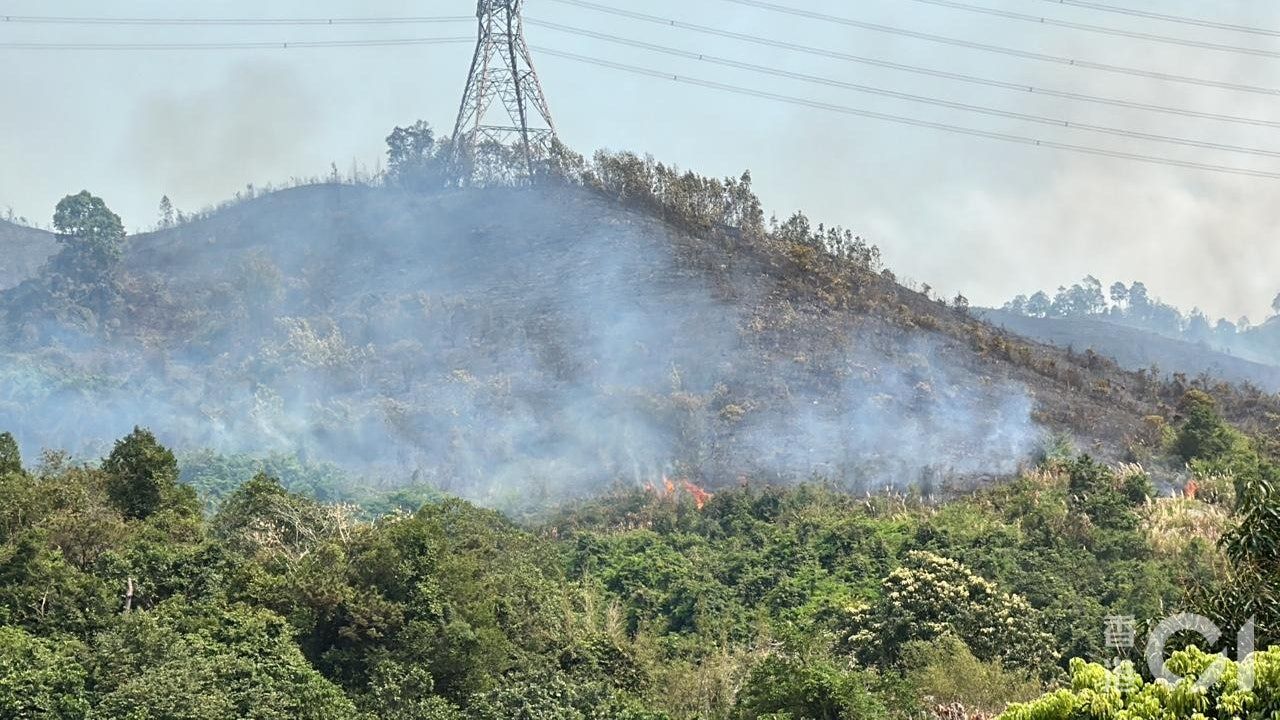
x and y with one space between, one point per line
543 341
22 251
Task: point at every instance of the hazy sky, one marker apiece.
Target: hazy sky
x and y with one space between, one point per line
966 214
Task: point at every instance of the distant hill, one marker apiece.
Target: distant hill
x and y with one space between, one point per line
1134 308
1138 349
529 342
22 251
1263 341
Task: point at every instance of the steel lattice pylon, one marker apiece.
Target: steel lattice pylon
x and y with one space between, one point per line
503 70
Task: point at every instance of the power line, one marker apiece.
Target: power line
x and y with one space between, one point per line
1100 29
956 42
1168 18
285 45
395 20
410 20
968 107
962 77
65 20
900 119
907 120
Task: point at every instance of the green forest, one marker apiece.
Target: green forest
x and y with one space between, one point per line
146 587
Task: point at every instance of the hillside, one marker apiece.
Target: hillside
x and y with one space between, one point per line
22 251
517 343
746 474
1138 349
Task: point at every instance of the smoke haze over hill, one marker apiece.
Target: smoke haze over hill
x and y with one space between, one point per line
499 342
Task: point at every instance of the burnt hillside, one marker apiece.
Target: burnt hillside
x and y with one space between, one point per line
22 251
546 340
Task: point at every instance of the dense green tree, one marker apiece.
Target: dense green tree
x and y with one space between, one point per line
250 504
405 692
90 232
10 457
1204 434
1250 589
757 603
141 473
930 596
41 590
946 673
197 663
41 679
216 476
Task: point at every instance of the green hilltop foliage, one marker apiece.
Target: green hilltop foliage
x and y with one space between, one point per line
120 598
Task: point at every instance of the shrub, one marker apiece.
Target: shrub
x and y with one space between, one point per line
782 688
1101 694
946 673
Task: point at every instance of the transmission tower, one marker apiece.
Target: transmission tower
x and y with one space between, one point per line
503 70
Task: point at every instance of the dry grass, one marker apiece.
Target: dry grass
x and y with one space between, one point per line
1173 524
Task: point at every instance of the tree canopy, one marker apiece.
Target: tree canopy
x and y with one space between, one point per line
89 230
141 474
119 598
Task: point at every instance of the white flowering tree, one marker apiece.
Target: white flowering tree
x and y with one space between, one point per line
931 596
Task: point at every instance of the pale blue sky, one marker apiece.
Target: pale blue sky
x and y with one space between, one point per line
964 214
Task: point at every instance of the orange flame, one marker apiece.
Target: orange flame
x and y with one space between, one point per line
670 486
1191 489
700 496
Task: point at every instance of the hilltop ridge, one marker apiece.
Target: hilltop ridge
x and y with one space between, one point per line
24 250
